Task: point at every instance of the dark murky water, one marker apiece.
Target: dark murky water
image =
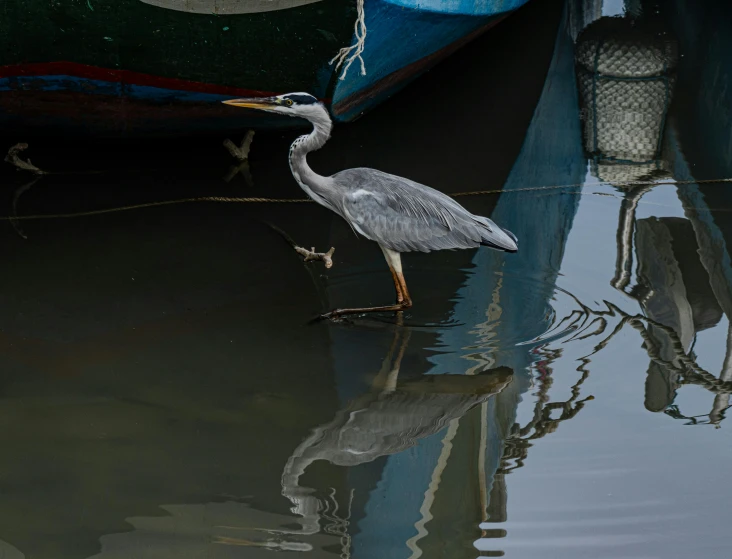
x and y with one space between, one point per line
163 395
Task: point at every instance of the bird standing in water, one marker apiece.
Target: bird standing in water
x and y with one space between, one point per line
397 213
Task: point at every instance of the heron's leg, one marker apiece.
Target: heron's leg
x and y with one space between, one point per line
393 259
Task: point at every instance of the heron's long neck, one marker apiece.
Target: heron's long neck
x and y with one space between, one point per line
315 185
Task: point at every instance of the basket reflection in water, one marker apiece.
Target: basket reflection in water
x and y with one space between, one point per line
625 72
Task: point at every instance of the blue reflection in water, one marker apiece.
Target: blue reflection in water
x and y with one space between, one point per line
505 300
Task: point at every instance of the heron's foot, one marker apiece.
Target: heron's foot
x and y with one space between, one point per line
310 255
337 314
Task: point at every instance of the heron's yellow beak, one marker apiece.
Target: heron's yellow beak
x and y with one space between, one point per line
263 103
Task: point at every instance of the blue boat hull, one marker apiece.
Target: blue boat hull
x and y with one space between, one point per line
402 43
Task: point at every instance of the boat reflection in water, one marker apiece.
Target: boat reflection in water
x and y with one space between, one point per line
628 69
675 291
446 489
443 480
399 441
425 460
415 460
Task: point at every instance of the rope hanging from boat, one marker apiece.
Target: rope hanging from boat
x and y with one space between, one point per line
348 54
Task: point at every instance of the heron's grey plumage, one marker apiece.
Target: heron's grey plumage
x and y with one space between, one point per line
406 216
382 423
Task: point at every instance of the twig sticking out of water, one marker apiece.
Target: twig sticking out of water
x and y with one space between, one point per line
13 157
309 255
240 152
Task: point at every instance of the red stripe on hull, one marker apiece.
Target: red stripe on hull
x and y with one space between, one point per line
60 112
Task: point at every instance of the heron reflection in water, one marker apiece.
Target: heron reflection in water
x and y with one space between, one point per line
393 417
399 214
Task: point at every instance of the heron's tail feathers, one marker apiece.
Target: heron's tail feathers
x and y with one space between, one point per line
500 239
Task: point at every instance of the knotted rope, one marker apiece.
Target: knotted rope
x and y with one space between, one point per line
355 49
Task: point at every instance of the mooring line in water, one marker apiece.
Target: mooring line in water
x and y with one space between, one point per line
599 183
223 199
256 200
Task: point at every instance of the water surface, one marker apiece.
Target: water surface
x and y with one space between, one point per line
164 394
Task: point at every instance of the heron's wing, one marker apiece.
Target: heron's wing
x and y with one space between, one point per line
407 216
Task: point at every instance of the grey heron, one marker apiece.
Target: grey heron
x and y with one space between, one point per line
399 214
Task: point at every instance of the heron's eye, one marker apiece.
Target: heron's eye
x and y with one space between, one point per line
288 102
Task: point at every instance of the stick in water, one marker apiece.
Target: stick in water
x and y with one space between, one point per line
309 255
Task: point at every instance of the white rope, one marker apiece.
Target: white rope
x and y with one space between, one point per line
356 49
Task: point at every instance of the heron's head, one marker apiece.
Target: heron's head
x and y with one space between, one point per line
302 105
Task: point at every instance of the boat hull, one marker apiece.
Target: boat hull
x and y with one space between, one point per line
392 60
162 67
